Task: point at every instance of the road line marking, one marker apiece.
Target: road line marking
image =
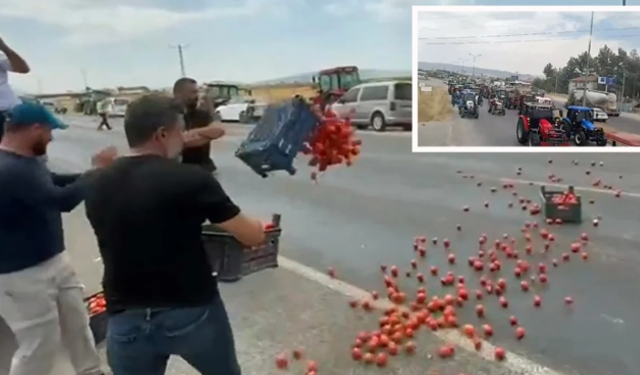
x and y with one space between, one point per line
514 361
612 319
554 184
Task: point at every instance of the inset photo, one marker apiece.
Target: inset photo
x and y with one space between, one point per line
522 79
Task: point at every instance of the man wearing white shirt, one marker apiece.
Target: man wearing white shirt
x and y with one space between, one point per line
10 61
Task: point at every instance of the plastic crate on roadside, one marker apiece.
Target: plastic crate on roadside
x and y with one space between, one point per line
277 138
567 212
97 321
232 260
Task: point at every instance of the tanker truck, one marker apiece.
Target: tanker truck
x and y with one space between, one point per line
606 101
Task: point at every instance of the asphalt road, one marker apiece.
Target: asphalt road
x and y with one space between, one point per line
494 130
357 218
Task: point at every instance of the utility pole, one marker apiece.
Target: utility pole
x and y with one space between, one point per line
557 75
624 78
624 2
181 48
586 71
473 70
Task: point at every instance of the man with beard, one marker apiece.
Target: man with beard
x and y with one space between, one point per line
10 61
197 123
162 298
41 297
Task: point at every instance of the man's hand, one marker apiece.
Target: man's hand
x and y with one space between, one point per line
105 157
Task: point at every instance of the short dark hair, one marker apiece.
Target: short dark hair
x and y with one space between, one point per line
148 114
182 82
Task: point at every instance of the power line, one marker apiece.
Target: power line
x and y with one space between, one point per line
531 34
512 22
522 40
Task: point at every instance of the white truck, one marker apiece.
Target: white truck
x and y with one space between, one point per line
606 101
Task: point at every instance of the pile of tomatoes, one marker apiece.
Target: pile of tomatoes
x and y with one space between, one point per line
332 143
96 304
565 198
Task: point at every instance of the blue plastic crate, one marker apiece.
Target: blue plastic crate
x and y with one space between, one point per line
277 138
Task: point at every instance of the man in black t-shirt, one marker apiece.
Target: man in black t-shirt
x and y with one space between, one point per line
162 298
185 91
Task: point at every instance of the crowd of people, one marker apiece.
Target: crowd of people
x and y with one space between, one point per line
162 296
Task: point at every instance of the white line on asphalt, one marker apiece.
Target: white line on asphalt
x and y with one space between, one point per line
612 319
514 361
579 188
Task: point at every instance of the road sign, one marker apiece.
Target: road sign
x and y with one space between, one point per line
426 88
609 81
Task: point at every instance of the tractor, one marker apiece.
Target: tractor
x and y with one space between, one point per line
218 92
579 124
467 104
538 125
333 83
496 106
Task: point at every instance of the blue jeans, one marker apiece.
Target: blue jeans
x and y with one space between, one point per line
139 342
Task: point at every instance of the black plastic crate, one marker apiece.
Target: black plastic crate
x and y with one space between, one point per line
97 322
568 213
232 260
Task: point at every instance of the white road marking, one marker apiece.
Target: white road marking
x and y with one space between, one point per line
612 319
514 361
564 185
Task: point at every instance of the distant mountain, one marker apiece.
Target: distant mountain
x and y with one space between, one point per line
478 70
365 74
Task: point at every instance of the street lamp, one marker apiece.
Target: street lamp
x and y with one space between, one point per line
473 74
462 61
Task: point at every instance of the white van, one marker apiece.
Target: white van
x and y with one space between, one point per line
377 105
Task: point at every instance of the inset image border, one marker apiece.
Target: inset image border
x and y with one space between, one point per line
416 10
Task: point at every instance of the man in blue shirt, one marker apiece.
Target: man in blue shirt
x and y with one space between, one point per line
41 298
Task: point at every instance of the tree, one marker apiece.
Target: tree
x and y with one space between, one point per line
549 71
620 64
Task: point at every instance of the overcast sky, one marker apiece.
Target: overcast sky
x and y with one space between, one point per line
126 42
498 38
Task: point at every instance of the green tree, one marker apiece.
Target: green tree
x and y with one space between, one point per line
623 65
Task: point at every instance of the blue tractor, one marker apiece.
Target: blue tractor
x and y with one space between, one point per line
579 125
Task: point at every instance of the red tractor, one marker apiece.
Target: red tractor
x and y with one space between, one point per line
333 83
538 125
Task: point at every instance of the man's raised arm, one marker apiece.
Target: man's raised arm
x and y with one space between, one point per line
14 62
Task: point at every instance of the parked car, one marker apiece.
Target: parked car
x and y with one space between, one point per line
240 109
600 115
377 105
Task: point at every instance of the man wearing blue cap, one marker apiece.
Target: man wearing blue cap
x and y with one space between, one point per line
10 61
41 298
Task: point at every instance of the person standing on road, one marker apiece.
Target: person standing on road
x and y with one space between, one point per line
10 61
41 298
104 110
162 297
197 120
